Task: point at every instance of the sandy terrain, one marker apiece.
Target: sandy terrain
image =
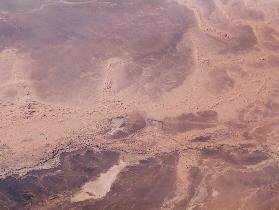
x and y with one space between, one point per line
184 92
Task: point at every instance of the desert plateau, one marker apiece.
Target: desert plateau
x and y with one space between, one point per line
139 105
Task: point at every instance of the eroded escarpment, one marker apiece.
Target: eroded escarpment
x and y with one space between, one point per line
145 185
141 185
42 186
147 104
242 187
223 179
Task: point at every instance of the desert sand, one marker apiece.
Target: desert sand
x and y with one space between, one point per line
139 104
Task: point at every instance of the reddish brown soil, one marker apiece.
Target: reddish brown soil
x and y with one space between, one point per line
184 92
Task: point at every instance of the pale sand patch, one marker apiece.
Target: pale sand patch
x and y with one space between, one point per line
100 187
215 193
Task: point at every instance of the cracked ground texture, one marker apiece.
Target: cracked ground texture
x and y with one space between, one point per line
139 104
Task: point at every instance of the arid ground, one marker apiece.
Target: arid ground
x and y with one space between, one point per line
139 104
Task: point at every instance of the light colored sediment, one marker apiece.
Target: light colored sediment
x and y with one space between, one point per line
64 92
101 186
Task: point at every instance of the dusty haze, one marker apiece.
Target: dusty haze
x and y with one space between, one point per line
139 104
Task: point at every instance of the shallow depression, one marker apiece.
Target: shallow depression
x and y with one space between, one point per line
100 187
